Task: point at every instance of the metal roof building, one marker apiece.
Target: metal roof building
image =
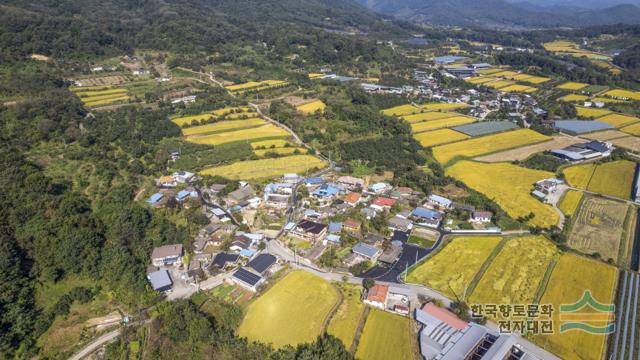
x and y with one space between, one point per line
366 250
262 263
160 280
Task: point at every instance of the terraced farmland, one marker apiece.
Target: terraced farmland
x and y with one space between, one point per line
293 311
571 277
488 144
223 126
437 137
254 134
101 96
312 107
266 168
598 227
591 113
516 273
441 123
255 86
572 86
509 186
453 269
623 94
224 113
619 120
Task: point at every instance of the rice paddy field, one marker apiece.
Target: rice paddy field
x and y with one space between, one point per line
428 116
574 98
613 178
570 202
266 168
598 227
619 120
386 337
253 134
256 86
488 144
226 113
402 110
345 321
563 47
575 86
443 106
223 126
280 151
571 277
633 129
437 137
292 312
516 273
441 123
479 80
519 88
454 267
100 95
312 107
623 94
499 84
509 186
591 113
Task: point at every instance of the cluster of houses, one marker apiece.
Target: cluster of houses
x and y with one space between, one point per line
168 186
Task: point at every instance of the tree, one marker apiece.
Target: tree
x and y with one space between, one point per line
368 283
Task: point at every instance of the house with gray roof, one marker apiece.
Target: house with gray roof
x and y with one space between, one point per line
368 251
160 280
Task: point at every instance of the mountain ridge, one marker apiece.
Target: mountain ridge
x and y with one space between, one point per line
500 13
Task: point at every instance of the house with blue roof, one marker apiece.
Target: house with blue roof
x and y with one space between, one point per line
155 198
325 191
313 181
335 227
426 217
332 239
379 187
185 194
278 188
368 251
440 201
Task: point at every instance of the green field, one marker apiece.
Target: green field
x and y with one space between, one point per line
292 312
344 322
385 337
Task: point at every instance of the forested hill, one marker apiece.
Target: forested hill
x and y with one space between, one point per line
500 13
76 28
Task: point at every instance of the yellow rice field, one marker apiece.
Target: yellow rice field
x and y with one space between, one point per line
499 84
92 93
509 186
266 131
428 116
623 94
507 74
222 126
607 100
613 178
572 86
266 168
479 80
572 276
619 120
402 110
93 102
444 106
488 144
437 137
315 75
591 112
312 107
519 88
442 123
570 201
256 86
227 113
489 71
632 129
452 269
574 98
536 80
516 273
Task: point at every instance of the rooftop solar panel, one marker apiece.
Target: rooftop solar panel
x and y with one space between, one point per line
247 277
262 262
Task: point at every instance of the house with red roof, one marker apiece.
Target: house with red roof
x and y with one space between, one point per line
353 198
381 203
377 296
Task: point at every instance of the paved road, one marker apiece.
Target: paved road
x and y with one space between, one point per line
96 344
